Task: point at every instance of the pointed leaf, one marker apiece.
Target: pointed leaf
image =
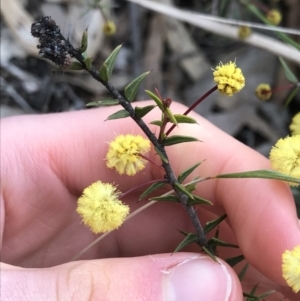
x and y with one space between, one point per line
209 253
199 201
108 66
189 239
103 73
76 66
175 139
132 88
214 223
288 72
156 122
262 174
88 63
182 189
291 96
84 42
232 261
156 99
190 187
152 188
161 155
118 115
187 172
243 271
142 111
166 198
184 119
266 294
217 242
105 102
169 113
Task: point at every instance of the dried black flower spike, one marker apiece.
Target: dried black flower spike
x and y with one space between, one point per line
53 46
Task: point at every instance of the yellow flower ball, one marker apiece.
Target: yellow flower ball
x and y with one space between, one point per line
123 154
229 78
285 156
244 32
263 91
100 208
291 268
295 125
109 28
274 16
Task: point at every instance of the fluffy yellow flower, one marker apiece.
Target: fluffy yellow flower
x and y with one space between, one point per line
263 91
109 28
295 125
285 156
244 32
229 78
100 208
291 268
123 154
274 16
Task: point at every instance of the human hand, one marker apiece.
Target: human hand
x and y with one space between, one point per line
48 160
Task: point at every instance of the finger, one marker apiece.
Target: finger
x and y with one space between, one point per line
167 277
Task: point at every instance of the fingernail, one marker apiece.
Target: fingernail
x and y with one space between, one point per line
196 280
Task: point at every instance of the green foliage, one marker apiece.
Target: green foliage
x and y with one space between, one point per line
132 88
288 72
176 139
161 155
243 271
108 65
214 223
105 102
156 99
118 115
152 188
189 239
184 190
142 111
184 119
76 66
84 42
232 261
88 63
187 172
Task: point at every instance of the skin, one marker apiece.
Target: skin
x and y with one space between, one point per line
47 161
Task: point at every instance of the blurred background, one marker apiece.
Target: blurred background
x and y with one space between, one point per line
180 55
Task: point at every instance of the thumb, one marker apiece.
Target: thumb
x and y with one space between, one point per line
181 276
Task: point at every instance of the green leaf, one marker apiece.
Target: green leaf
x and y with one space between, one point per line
232 261
184 119
175 139
209 253
214 223
142 111
156 122
84 42
156 99
118 115
243 271
76 66
199 201
166 198
288 72
152 188
184 190
132 88
189 239
266 294
261 174
217 242
187 172
161 155
88 63
105 102
169 113
103 73
291 96
108 66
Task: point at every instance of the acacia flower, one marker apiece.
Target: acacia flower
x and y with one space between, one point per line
295 125
263 91
123 154
100 208
285 156
291 268
229 78
274 16
244 32
109 28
